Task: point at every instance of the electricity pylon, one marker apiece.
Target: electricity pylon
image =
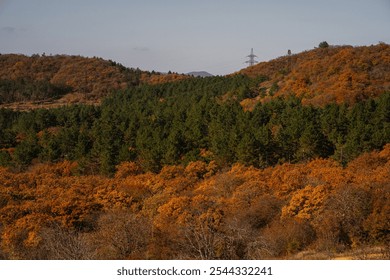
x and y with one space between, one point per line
251 60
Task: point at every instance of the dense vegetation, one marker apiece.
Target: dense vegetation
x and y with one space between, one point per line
21 90
200 211
333 74
196 119
74 78
191 166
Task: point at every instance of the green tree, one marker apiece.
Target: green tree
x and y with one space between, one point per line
5 158
323 45
50 150
26 151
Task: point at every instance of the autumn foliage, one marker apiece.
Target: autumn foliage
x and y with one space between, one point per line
341 74
288 159
195 212
57 80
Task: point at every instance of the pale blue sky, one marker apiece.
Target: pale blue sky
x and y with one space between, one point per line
183 36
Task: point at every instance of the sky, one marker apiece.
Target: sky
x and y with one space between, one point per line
186 35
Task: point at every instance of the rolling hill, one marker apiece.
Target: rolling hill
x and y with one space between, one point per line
335 74
184 164
52 81
325 75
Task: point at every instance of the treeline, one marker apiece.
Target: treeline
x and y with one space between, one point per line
312 210
22 90
191 120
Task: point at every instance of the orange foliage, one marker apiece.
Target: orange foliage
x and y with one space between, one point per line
92 75
326 75
306 203
126 169
89 79
155 79
188 212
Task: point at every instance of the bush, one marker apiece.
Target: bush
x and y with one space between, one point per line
323 45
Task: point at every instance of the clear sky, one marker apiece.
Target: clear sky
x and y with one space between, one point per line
187 35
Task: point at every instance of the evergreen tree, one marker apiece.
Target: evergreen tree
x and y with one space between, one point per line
5 158
26 151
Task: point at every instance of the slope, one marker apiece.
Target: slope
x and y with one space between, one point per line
51 81
341 74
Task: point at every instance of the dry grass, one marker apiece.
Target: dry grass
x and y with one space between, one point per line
66 100
364 253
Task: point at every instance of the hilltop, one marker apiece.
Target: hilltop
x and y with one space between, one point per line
51 81
336 74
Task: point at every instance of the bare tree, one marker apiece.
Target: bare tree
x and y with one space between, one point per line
120 235
59 243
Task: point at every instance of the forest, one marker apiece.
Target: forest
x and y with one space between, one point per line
200 173
312 210
191 120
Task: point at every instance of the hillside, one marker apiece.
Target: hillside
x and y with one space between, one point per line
159 123
341 74
195 119
185 164
51 81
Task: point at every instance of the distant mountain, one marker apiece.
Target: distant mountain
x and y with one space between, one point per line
200 74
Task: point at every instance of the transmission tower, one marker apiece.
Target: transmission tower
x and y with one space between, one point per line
251 60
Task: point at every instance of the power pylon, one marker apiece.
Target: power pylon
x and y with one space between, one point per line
251 60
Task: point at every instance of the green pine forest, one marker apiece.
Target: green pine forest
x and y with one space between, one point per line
196 119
